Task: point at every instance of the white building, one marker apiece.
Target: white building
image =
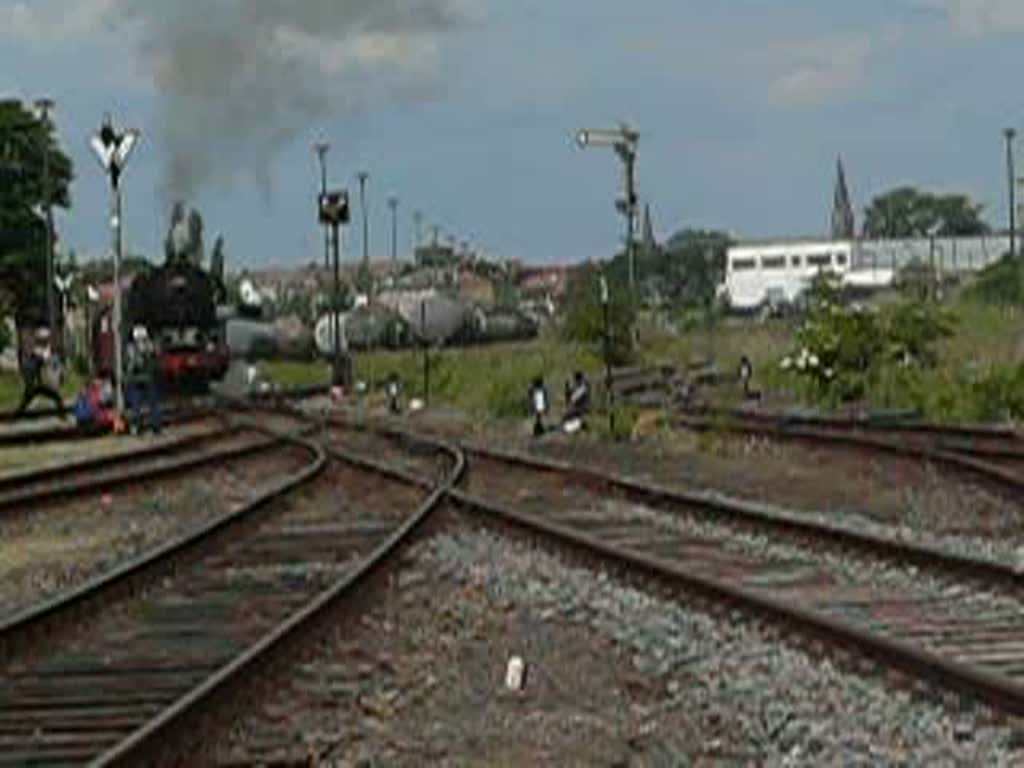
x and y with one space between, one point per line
777 271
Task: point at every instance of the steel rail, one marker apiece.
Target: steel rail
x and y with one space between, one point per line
997 691
23 477
1002 692
151 744
959 459
24 498
23 630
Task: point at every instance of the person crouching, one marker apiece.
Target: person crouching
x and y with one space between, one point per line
92 409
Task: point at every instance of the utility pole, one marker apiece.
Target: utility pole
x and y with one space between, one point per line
624 140
606 333
417 218
321 148
393 205
44 106
112 149
363 176
1010 134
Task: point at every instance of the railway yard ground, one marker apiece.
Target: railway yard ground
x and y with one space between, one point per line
624 667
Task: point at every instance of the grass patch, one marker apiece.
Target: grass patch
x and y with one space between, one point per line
11 388
979 376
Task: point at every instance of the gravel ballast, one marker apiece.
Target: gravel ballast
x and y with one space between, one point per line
615 676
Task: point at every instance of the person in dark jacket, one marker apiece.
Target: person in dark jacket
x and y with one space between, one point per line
578 402
142 382
42 373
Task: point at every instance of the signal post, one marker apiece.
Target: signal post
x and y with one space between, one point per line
333 212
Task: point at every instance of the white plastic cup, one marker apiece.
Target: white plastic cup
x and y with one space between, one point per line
515 675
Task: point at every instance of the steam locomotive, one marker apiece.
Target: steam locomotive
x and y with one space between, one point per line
177 304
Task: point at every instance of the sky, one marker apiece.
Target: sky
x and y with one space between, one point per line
466 110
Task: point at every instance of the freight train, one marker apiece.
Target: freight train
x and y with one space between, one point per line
177 303
401 322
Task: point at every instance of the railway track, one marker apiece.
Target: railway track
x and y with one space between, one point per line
995 457
25 429
219 604
993 454
944 618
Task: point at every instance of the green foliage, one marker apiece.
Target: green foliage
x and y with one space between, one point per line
908 212
844 352
686 271
102 270
29 153
584 315
1001 284
915 280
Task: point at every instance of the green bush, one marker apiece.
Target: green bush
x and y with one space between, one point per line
583 321
1001 283
845 353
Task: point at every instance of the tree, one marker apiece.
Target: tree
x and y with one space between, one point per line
584 315
908 212
25 142
697 258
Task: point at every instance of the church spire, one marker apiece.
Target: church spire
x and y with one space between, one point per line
648 232
843 224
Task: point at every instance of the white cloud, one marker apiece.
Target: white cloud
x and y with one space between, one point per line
975 18
416 52
48 23
820 71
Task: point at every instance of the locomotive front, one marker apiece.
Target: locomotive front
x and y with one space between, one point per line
178 305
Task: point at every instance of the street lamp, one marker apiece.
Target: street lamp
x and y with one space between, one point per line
321 148
1010 134
624 141
44 105
393 205
113 148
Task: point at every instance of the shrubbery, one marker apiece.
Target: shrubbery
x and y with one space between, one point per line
584 316
1001 284
843 351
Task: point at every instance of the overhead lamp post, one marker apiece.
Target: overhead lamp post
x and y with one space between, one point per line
393 205
1010 134
624 140
321 148
113 148
44 105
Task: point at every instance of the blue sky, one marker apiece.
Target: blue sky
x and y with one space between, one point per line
742 105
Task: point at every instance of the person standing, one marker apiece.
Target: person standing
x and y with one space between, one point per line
43 374
538 405
142 385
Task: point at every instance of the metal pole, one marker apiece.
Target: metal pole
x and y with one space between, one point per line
118 363
630 158
418 219
363 176
607 356
45 105
1010 133
321 151
426 352
393 205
